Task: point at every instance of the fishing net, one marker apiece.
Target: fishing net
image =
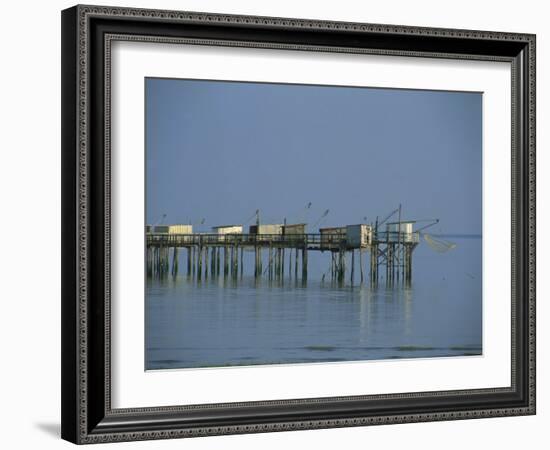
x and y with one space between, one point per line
438 244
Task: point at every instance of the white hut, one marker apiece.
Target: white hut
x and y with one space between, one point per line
225 232
228 229
173 229
358 236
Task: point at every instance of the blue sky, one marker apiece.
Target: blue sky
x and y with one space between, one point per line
220 150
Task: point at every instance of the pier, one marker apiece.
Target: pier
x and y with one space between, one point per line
285 253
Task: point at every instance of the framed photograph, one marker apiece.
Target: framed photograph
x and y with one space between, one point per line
277 224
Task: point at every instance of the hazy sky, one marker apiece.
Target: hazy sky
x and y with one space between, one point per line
221 150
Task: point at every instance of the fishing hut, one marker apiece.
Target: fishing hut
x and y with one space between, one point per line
341 240
359 238
163 240
266 230
173 229
294 229
393 247
270 235
222 230
295 238
228 237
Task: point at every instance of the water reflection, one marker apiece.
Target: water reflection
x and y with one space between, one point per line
222 321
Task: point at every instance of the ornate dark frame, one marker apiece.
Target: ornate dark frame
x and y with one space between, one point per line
87 32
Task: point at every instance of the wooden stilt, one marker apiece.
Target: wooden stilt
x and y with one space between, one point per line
270 263
256 263
206 262
304 263
232 261
352 266
343 265
213 261
290 263
242 261
236 261
193 261
225 261
175 261
282 263
199 263
361 263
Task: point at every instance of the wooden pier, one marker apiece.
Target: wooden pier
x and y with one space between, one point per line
216 255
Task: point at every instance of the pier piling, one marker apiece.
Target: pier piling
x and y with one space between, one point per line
352 266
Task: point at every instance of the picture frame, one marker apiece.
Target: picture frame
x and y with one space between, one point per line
87 366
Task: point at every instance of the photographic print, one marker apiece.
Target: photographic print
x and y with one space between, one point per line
292 224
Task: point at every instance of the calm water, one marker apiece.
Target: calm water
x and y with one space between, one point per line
247 322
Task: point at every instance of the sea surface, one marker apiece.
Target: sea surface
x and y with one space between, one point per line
224 322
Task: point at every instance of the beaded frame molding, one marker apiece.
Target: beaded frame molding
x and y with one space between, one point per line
87 35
